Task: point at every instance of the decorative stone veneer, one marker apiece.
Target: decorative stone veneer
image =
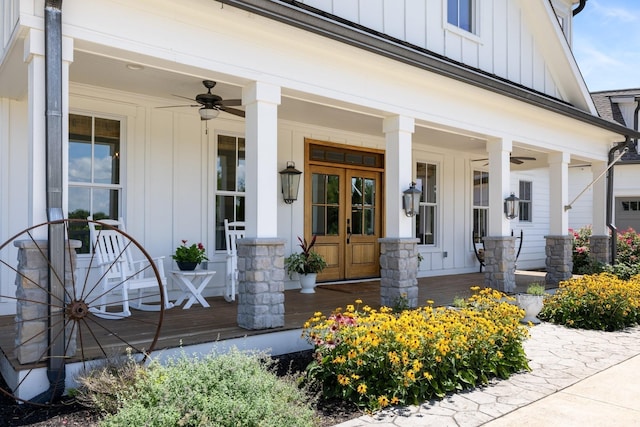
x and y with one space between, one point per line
599 249
261 283
398 271
500 262
559 258
32 310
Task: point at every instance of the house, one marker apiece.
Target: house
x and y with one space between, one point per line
470 100
622 107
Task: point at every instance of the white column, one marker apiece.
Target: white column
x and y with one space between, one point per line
499 185
261 187
398 173
34 57
34 52
558 193
599 200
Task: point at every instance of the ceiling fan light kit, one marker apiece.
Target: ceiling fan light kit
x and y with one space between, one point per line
208 113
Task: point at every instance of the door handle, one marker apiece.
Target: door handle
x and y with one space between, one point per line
348 231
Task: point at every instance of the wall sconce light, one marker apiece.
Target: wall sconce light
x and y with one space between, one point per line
207 113
411 200
511 206
290 178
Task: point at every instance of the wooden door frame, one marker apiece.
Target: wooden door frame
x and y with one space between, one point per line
378 167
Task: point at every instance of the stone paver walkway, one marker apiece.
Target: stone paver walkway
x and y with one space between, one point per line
561 359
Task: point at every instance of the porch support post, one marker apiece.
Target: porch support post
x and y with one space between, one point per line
261 255
499 246
599 241
559 262
398 250
34 51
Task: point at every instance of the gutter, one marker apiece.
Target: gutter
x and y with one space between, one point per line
581 6
307 18
56 371
622 147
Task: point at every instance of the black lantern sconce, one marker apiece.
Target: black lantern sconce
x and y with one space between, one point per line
411 200
290 178
511 206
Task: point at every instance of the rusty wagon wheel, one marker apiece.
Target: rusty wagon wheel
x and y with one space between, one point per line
54 324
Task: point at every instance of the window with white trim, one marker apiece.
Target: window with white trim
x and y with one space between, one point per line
525 214
480 204
462 14
94 172
427 217
230 183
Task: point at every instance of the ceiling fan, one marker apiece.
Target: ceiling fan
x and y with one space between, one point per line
516 160
211 104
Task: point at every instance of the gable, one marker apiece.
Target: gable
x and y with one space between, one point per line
521 42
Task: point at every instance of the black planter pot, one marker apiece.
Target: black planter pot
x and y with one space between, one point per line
187 266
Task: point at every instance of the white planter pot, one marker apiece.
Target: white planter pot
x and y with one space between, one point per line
308 283
532 305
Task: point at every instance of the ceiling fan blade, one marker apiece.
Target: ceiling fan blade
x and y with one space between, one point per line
524 158
516 161
183 97
479 160
231 102
175 106
233 111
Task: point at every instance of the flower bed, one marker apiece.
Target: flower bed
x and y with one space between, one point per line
602 301
377 358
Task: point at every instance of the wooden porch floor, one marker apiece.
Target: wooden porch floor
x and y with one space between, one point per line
199 325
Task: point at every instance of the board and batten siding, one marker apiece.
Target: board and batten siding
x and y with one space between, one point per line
503 44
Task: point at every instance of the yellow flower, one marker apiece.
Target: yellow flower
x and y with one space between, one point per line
343 380
383 401
358 301
362 388
395 400
427 376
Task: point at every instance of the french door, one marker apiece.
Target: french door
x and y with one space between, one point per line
343 210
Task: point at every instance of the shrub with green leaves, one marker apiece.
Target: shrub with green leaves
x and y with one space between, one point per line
627 254
602 302
376 358
233 389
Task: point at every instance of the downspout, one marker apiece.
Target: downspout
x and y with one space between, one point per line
56 248
614 231
581 6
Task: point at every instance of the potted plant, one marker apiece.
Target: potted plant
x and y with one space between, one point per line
531 302
188 257
307 264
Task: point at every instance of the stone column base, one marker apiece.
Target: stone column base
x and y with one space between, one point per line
500 262
559 258
261 283
398 272
32 308
599 249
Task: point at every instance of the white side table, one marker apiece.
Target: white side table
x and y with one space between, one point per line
188 282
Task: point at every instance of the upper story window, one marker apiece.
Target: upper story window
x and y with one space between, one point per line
230 181
462 14
427 218
94 171
525 201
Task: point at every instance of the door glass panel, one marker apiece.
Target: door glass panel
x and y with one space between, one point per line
369 191
356 220
325 191
356 191
369 221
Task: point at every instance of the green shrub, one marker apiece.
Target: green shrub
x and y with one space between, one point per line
536 289
376 358
234 389
627 254
602 302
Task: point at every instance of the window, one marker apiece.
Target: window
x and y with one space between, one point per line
461 13
426 220
525 201
480 204
94 171
230 180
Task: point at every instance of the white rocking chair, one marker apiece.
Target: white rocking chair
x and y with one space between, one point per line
232 232
120 274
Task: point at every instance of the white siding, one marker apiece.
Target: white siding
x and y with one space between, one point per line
503 45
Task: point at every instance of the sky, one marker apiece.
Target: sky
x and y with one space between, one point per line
606 44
